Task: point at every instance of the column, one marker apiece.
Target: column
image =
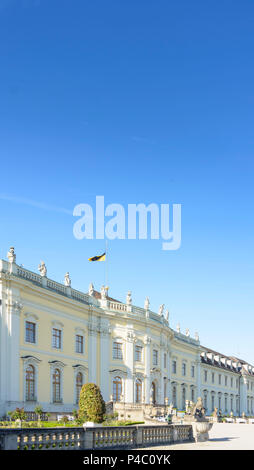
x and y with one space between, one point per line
13 318
104 360
147 369
198 367
243 394
92 350
161 401
129 397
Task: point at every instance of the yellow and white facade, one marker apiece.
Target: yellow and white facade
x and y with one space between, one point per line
54 338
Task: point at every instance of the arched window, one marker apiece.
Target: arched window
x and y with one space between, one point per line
117 388
138 391
205 400
213 402
56 386
79 383
174 397
153 392
30 383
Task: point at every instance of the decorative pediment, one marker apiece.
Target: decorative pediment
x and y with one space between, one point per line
118 372
30 360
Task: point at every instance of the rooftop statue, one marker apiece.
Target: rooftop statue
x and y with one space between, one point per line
161 308
147 303
67 280
128 298
11 255
91 289
42 269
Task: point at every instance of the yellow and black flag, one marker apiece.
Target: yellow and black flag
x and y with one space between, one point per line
98 258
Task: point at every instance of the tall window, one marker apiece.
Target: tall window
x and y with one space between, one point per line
30 383
192 394
79 383
117 350
174 366
205 400
79 344
231 382
155 357
153 392
183 368
165 360
174 397
205 375
226 404
219 402
226 380
183 398
192 371
213 377
30 332
231 404
219 379
212 402
117 388
56 386
138 390
57 338
138 353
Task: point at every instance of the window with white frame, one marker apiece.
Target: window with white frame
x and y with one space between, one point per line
117 388
117 350
30 383
155 357
205 375
79 344
174 366
56 386
79 383
226 381
30 332
138 353
219 379
165 360
213 377
56 338
183 368
192 371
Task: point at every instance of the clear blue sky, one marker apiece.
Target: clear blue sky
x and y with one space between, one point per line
139 101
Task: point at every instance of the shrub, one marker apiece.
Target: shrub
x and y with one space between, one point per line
91 404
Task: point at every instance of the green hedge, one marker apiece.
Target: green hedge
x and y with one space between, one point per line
91 404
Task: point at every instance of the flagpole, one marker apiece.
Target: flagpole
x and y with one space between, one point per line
106 264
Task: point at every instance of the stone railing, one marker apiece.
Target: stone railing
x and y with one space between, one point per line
117 306
93 438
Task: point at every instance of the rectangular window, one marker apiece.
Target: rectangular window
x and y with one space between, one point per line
117 350
155 357
165 360
79 344
192 371
213 377
226 380
138 353
174 367
56 338
219 379
231 382
183 368
205 375
30 332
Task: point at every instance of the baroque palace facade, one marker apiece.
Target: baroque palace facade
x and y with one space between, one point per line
53 339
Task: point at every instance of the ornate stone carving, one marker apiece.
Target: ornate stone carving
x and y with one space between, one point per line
147 339
187 332
167 315
16 306
131 337
42 269
128 298
67 280
11 255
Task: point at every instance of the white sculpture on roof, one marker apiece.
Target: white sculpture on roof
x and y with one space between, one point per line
187 332
167 315
42 269
178 329
11 255
161 308
67 280
147 303
91 289
103 293
128 298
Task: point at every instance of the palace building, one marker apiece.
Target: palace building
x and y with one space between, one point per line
53 339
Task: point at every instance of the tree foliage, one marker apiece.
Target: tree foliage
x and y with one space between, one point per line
91 404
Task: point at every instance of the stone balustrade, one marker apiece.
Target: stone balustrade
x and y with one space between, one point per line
93 438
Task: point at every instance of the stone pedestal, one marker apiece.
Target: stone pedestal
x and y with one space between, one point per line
200 430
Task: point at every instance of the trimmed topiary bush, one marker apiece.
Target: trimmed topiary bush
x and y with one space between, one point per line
91 404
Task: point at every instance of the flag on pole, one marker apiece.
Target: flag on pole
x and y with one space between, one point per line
98 258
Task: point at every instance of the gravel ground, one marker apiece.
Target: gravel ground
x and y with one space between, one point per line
223 436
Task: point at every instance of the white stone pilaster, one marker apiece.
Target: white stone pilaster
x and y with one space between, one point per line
104 359
147 368
92 350
130 367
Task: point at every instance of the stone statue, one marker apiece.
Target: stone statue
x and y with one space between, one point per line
199 410
42 269
103 293
188 407
178 329
215 412
147 303
67 280
11 255
187 332
91 289
128 298
161 309
196 336
167 315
